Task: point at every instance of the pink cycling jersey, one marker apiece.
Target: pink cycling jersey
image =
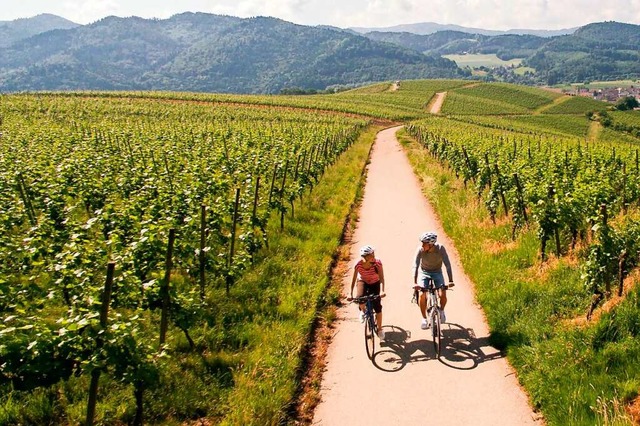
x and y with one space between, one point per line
369 275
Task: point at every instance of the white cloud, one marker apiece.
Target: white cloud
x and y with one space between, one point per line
488 14
84 11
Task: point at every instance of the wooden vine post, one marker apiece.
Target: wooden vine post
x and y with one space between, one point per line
164 290
621 261
232 247
520 192
24 195
499 181
95 373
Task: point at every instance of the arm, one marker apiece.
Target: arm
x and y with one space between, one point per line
416 265
447 263
381 275
353 281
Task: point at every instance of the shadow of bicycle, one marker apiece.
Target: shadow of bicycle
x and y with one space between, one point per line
462 350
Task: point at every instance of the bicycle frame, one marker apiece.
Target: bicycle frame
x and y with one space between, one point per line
433 313
370 326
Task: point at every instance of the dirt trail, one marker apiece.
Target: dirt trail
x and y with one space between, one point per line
475 384
436 104
556 102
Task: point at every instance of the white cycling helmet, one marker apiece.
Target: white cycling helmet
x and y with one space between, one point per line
429 237
365 250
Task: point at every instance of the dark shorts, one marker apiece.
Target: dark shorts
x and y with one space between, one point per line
373 289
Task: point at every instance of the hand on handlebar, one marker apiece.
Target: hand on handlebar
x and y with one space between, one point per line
451 284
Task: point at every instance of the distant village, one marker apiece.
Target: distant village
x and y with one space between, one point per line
609 94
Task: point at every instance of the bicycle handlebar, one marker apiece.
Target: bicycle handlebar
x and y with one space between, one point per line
431 286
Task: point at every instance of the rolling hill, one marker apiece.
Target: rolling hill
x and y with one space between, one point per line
19 29
204 52
598 51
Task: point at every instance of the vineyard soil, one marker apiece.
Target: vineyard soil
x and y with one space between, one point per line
473 381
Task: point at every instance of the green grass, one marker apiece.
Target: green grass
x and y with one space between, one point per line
574 375
524 70
612 136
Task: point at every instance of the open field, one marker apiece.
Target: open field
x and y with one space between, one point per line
482 60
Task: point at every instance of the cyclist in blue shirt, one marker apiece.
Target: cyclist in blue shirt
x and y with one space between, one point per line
429 258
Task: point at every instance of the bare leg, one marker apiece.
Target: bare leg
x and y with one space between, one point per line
443 297
360 292
379 321
423 304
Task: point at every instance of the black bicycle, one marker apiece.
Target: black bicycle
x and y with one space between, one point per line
370 326
433 313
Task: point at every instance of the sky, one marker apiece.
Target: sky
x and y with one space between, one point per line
484 14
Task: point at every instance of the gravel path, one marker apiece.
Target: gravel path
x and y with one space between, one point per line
473 383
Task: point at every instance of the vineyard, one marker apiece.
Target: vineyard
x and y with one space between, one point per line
563 186
123 221
164 257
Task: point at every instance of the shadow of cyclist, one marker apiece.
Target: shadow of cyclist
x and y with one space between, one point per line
462 350
396 351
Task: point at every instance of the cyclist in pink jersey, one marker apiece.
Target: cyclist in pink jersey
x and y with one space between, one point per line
369 276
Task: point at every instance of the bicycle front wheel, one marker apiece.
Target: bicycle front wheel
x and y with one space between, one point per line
369 336
436 332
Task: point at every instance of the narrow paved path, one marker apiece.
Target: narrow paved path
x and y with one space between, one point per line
473 383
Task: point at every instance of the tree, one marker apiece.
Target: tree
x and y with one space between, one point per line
627 103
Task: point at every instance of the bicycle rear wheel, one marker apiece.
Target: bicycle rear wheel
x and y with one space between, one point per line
436 333
369 336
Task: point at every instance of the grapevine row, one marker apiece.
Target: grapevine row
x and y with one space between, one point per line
564 186
152 188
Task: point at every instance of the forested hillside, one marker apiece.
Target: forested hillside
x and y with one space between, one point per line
12 31
204 52
603 51
599 51
456 42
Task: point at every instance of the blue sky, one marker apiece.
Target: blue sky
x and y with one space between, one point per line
486 14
